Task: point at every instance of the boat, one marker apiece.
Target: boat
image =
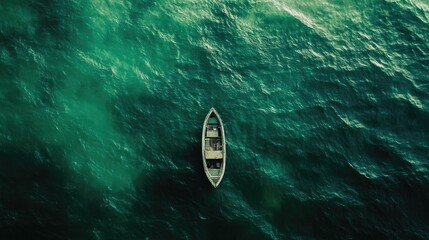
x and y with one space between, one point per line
214 148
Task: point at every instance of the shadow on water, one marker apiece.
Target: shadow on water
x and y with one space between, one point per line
33 198
40 199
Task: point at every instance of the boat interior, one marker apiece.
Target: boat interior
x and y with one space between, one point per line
213 146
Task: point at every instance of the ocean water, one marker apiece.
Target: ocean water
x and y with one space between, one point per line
325 106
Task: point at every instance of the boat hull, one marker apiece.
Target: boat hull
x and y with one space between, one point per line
213 148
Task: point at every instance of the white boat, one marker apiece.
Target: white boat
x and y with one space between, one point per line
214 147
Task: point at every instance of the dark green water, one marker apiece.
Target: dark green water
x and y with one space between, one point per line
325 105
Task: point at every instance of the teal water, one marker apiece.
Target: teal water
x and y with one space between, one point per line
325 105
